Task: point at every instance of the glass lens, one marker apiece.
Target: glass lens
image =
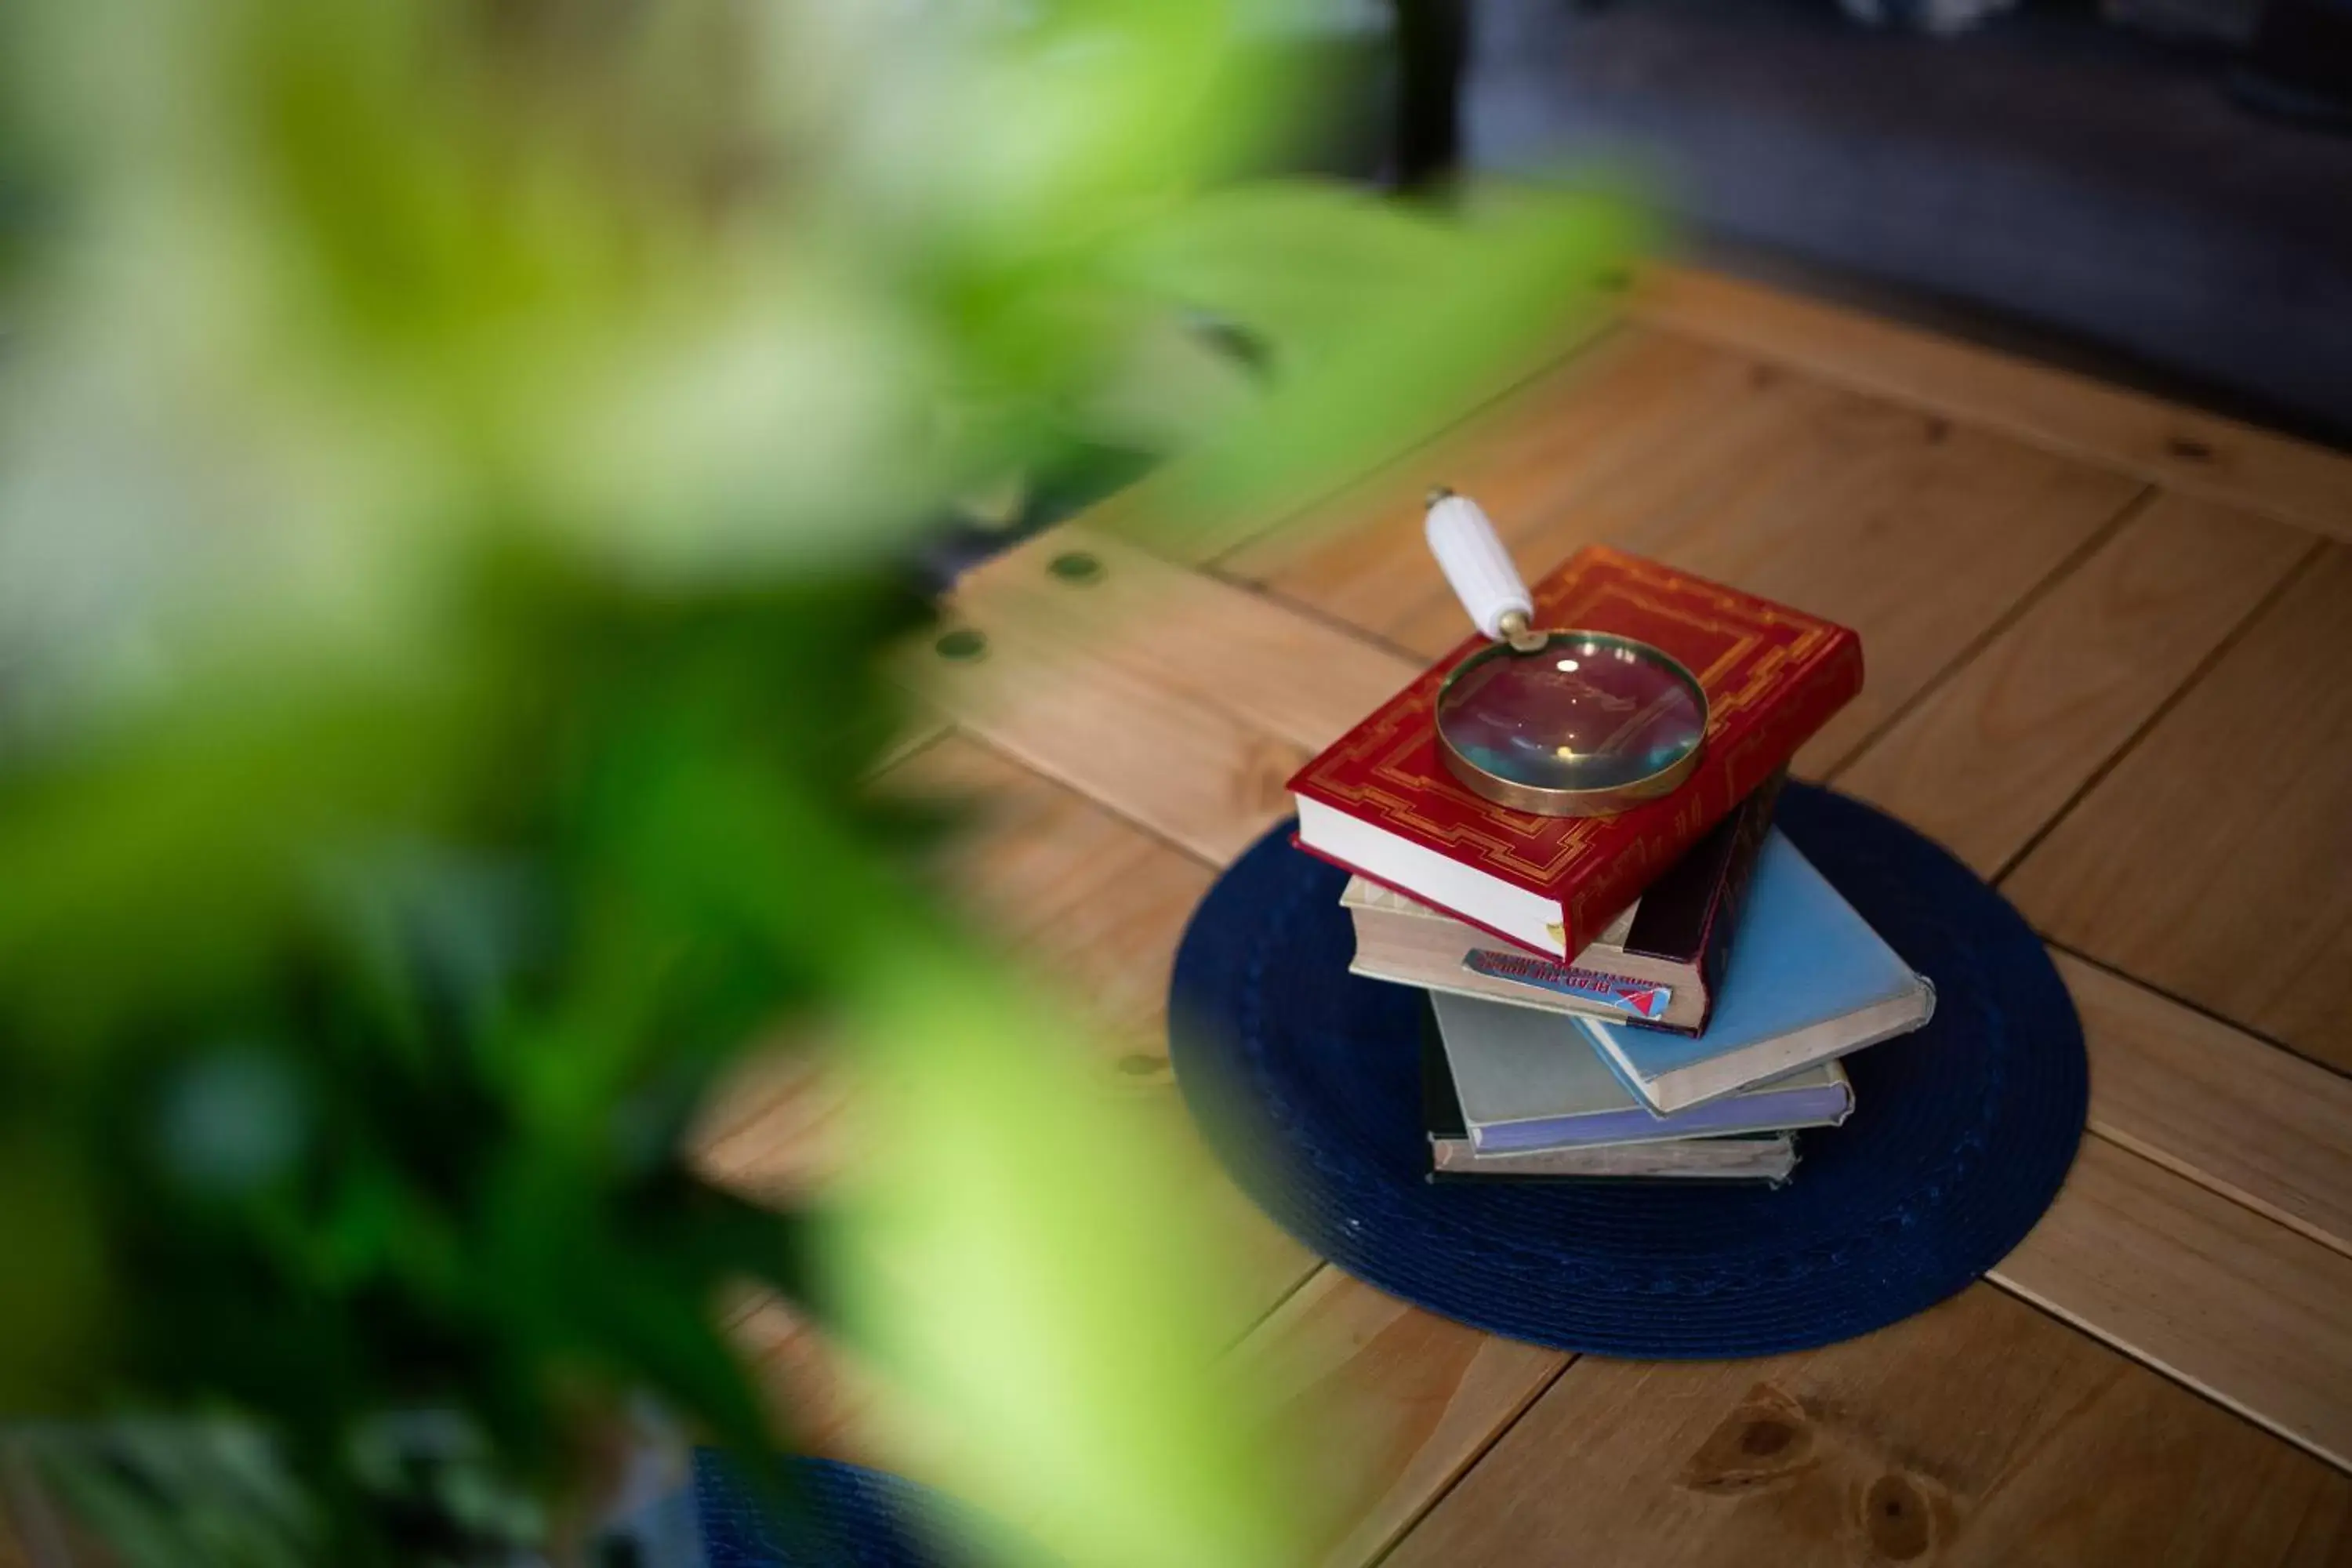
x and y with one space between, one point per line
1582 714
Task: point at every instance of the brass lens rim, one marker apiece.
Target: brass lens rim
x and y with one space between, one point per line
1545 802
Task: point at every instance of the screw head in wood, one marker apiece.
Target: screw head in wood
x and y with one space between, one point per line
963 644
1075 566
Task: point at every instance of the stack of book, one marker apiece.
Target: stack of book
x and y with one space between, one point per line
1662 992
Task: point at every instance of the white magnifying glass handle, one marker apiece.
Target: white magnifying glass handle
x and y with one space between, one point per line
1478 568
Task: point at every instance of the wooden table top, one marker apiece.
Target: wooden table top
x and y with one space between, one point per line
2106 639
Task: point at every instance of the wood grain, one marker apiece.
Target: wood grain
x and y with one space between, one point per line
2192 453
2211 861
1182 703
1182 766
1394 1402
1979 1432
1986 758
780 1126
2220 1107
1919 534
1061 884
1375 570
1258 660
2247 1312
822 1404
1360 558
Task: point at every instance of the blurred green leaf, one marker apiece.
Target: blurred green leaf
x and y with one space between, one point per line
455 462
1041 1286
1383 320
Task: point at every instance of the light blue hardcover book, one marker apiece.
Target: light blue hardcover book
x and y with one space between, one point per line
1809 982
1526 1084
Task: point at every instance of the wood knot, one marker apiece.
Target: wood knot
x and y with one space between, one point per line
1897 1517
1765 1437
2188 449
1938 430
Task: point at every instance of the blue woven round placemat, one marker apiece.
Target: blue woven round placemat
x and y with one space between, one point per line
1306 1081
846 1517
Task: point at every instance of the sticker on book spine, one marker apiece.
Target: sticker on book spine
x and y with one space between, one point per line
1628 996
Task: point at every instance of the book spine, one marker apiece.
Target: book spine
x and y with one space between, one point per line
1727 774
1722 919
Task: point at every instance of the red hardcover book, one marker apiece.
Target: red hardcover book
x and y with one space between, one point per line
1379 801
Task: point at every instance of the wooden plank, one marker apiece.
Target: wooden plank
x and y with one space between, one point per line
1979 1432
1184 703
1163 511
1360 558
1742 442
1986 758
2211 861
1180 766
1919 534
2247 1312
1281 673
1393 1403
2265 1129
2192 453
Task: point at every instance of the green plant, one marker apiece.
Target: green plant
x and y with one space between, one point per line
452 454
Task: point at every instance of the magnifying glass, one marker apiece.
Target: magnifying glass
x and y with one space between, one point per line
1557 721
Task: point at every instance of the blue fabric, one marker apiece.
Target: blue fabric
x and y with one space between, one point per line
845 1517
1304 1079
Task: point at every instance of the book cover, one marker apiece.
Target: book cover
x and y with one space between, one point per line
1656 963
1694 924
1767 1157
1526 1081
1379 801
1813 982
